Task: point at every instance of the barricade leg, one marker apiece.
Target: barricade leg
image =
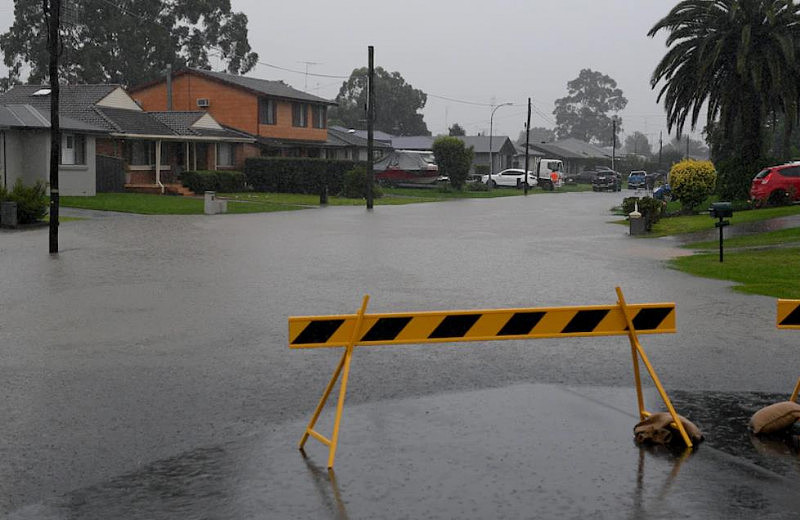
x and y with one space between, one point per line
342 368
636 348
796 391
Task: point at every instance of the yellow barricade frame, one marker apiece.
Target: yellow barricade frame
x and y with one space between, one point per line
788 317
361 329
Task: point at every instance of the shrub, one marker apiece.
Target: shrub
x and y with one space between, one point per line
210 180
651 209
477 186
32 202
296 174
453 159
355 184
481 169
692 181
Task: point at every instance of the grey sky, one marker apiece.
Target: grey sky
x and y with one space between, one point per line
475 51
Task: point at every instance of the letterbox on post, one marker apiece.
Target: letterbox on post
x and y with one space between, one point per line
721 210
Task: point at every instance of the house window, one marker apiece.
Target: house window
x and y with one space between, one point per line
318 113
73 149
267 111
141 153
299 114
224 154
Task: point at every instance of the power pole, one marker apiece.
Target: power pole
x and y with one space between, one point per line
527 141
52 12
370 117
613 142
660 146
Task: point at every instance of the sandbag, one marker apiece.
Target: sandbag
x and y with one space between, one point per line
657 429
775 417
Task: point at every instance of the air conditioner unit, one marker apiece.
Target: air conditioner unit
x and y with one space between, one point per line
202 102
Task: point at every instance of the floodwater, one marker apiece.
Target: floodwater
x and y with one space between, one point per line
146 373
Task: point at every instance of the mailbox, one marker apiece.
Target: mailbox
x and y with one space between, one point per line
721 210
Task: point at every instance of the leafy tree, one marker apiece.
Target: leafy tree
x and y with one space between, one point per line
638 144
453 159
456 129
538 135
583 113
127 41
737 60
397 104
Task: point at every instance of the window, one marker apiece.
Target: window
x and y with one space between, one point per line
299 114
318 116
224 154
73 149
141 153
267 111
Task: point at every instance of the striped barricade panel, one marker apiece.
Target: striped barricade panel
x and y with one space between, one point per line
479 325
788 314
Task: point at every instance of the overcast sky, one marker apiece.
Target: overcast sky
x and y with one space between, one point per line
465 50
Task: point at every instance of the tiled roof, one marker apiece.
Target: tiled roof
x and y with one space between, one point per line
182 124
27 116
75 101
377 135
480 143
133 122
259 86
337 137
412 142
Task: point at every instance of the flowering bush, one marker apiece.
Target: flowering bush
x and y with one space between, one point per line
692 181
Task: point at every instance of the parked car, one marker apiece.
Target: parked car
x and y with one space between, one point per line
663 192
584 177
513 177
607 180
776 185
636 179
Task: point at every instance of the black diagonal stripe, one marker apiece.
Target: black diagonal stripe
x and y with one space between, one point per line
318 331
585 321
650 318
386 329
793 318
521 324
454 326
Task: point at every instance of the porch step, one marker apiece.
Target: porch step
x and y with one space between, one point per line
179 189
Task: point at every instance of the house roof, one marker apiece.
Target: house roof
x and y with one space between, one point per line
377 135
27 116
258 86
480 143
339 138
78 104
412 142
571 148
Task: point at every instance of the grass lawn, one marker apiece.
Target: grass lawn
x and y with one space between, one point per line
775 272
252 202
702 222
769 238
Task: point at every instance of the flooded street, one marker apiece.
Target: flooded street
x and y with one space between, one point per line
145 370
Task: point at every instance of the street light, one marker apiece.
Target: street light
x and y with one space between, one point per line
491 131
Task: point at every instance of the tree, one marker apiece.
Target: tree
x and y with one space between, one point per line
127 41
456 129
638 144
737 60
453 159
397 103
583 113
538 135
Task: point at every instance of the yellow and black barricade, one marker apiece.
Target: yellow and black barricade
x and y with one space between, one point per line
361 329
789 318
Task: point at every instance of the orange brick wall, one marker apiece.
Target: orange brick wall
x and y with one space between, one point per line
228 105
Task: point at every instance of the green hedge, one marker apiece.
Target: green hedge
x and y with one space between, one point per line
651 209
210 180
32 201
296 174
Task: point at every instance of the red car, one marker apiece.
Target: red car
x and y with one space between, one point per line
776 185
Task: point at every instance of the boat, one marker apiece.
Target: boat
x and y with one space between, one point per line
407 167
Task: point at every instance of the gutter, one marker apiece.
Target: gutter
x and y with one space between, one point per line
154 137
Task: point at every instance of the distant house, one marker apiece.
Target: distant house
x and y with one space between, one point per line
150 147
502 151
349 145
576 155
283 120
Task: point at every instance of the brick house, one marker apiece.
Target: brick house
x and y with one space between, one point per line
284 121
151 147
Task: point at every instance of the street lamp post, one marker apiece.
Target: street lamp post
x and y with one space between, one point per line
491 131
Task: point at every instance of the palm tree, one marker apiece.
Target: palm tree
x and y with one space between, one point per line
737 58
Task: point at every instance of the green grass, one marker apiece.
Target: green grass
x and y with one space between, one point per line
702 222
766 239
165 205
772 273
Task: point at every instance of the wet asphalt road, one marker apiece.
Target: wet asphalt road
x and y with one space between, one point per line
148 337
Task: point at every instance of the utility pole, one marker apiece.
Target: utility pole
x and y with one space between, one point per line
370 122
527 141
52 12
660 146
613 142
